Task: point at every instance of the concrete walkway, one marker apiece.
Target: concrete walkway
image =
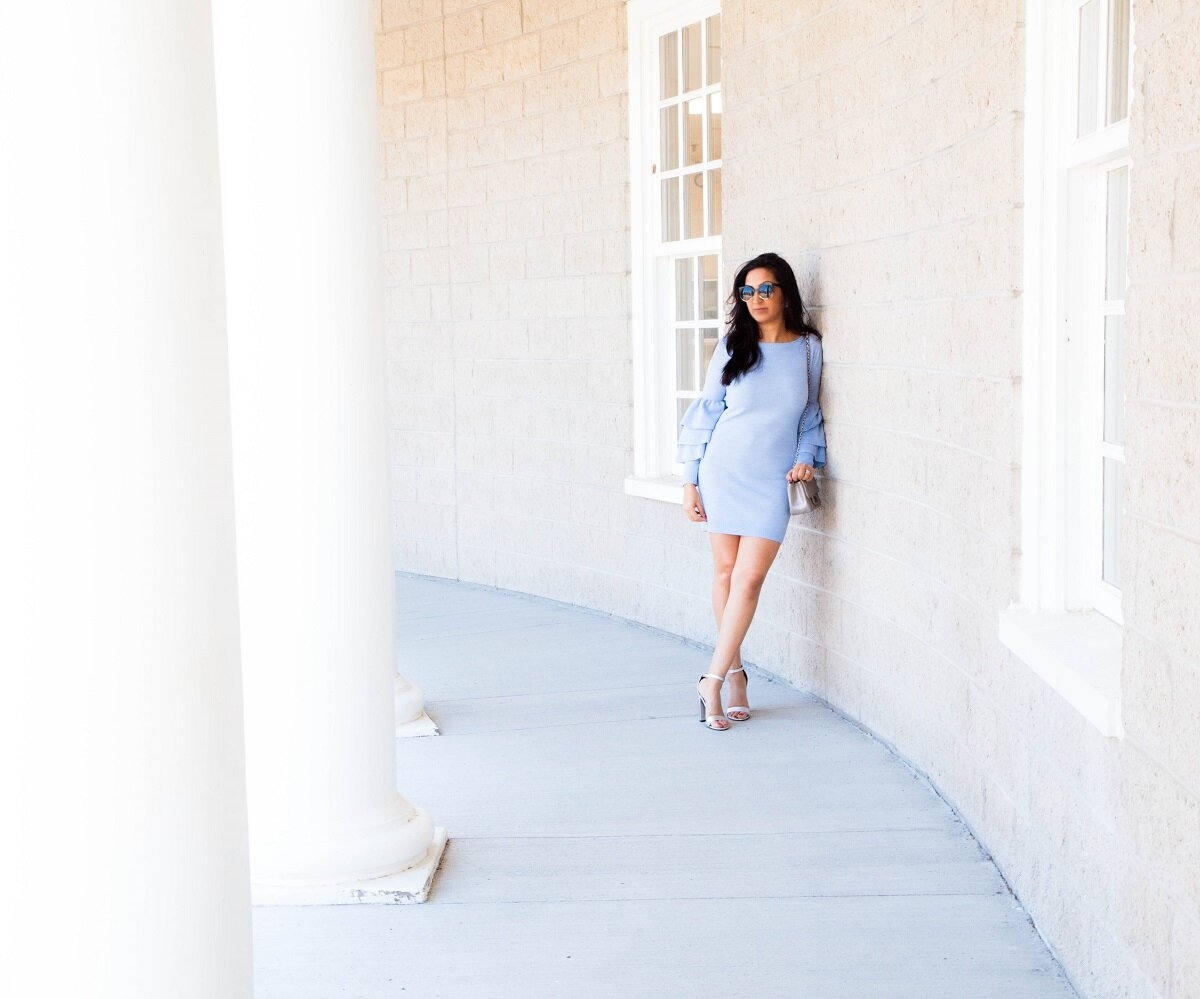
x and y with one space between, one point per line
602 843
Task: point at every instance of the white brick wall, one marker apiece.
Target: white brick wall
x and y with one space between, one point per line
878 146
1157 779
507 245
905 219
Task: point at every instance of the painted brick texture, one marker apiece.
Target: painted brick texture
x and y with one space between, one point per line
506 186
878 147
1158 775
891 174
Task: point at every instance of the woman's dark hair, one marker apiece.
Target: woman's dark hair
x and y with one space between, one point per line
741 337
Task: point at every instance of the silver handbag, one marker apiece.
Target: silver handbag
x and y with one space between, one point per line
804 496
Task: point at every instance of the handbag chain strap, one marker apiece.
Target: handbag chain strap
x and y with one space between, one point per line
808 380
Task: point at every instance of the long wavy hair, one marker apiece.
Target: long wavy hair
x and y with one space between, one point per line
741 336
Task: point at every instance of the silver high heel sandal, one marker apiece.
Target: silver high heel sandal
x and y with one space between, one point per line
742 708
705 717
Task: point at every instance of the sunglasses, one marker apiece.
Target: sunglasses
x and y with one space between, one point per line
765 290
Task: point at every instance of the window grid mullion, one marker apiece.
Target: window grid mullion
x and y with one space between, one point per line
1102 66
685 246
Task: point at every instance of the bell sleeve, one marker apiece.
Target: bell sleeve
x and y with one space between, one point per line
701 417
810 444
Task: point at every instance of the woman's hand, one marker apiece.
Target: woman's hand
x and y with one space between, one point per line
801 471
691 503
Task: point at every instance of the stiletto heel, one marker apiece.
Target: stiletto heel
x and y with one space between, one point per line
742 708
705 717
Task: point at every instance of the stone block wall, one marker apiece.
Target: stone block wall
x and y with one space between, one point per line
895 180
506 200
1157 782
879 147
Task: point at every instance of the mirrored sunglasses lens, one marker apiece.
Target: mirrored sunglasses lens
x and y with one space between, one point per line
766 290
746 292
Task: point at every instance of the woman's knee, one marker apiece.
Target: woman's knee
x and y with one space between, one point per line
723 573
724 555
746 584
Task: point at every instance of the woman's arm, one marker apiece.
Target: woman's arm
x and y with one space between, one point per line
701 417
810 434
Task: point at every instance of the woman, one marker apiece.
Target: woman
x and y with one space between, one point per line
756 426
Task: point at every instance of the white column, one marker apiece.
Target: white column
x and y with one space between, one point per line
124 836
296 102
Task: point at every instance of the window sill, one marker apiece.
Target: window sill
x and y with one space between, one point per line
1077 654
669 488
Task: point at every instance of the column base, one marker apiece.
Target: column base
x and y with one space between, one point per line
405 888
421 725
411 719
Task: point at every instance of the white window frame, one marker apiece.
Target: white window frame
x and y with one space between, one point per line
1066 625
653 432
1084 587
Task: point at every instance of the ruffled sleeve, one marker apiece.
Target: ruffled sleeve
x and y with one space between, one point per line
701 417
810 444
698 423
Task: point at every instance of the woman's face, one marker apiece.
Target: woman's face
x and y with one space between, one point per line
764 310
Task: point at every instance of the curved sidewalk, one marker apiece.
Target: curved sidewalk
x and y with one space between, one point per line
604 844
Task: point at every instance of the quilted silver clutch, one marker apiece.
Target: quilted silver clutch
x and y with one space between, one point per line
803 496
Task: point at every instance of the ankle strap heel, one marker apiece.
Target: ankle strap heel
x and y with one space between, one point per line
738 712
705 718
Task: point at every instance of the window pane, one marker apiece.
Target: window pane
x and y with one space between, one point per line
1118 61
681 406
1089 66
713 24
668 124
1116 234
688 109
714 126
670 208
708 287
710 344
686 378
691 57
1113 488
694 127
668 65
685 289
693 220
1114 382
714 202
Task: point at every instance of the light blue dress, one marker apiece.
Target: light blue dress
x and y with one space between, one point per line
738 442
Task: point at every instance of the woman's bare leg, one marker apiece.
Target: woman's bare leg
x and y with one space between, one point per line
724 550
754 558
